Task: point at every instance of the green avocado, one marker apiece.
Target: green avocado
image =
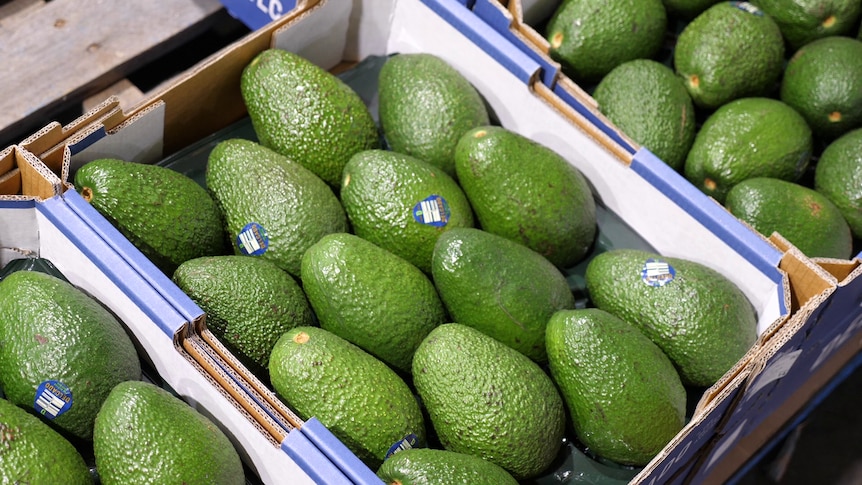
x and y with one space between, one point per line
402 204
273 207
589 40
804 21
838 176
731 50
366 404
33 452
165 214
746 138
526 192
145 434
486 399
805 217
425 105
62 351
426 466
624 395
697 316
249 302
649 103
306 113
499 287
371 297
823 82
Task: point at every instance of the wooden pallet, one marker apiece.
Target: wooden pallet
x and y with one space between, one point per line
58 55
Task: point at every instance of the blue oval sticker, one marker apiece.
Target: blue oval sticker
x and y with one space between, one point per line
53 398
252 240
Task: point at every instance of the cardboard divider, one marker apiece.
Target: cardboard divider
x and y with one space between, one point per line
627 179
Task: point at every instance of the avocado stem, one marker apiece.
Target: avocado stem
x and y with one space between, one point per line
87 194
300 338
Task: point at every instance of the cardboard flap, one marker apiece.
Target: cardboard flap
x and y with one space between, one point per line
10 174
37 179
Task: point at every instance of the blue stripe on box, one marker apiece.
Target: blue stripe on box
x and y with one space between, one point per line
486 38
587 113
18 204
501 23
311 460
112 264
339 454
708 212
145 268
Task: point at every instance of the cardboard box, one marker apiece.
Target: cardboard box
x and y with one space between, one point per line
629 182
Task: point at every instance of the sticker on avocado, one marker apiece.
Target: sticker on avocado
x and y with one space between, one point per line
252 240
405 443
433 210
748 8
657 272
53 398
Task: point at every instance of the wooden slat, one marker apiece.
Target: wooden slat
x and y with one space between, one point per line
55 54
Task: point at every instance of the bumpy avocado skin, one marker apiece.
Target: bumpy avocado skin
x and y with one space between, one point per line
698 317
306 113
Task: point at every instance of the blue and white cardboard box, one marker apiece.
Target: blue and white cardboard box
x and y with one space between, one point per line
667 212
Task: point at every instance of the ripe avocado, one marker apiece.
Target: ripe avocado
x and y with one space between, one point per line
356 396
144 434
802 215
273 207
62 344
306 113
425 105
371 297
838 176
696 315
745 138
416 466
165 214
803 21
488 400
823 81
731 50
526 192
588 40
624 395
649 103
249 302
499 287
402 203
33 452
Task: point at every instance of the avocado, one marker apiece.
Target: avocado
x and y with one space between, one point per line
306 113
687 9
838 176
805 217
165 214
745 138
486 399
625 397
425 105
731 50
273 207
371 297
402 203
249 302
696 315
526 192
649 103
356 396
145 434
823 82
62 351
499 287
418 466
589 40
804 21
33 452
